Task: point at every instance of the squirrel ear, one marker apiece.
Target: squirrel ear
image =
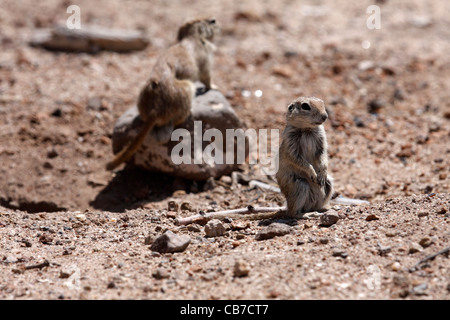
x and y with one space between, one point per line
154 84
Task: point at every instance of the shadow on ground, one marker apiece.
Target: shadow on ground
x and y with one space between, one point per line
133 187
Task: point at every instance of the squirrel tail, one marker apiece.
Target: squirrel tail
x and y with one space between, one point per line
127 152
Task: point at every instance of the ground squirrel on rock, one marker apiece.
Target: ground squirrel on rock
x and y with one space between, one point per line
166 98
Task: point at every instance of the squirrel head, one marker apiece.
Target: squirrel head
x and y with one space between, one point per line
306 112
204 29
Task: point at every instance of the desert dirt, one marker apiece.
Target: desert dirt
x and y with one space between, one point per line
69 229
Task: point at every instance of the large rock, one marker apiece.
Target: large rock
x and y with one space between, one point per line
211 108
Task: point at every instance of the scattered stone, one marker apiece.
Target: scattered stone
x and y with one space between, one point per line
239 224
241 268
372 217
170 242
419 290
324 240
396 266
426 242
366 65
161 273
414 247
240 236
401 281
226 179
275 229
46 239
214 228
338 252
171 215
273 293
148 240
194 227
383 250
10 259
283 71
95 103
329 218
423 213
307 225
52 154
428 189
27 243
57 113
111 285
81 217
374 106
172 206
441 210
186 206
391 233
65 272
235 243
421 21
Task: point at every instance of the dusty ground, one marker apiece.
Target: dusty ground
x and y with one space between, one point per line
388 134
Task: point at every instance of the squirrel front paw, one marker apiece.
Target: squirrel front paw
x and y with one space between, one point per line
313 177
321 178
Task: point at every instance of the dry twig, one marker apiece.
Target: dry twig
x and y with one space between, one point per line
204 217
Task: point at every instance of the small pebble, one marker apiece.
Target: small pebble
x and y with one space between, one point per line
241 268
423 213
161 273
372 217
214 228
274 229
426 242
329 218
170 242
414 247
337 252
396 266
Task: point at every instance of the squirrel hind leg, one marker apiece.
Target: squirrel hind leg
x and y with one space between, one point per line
299 198
328 190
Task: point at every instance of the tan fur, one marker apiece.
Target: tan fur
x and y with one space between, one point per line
303 163
303 156
167 96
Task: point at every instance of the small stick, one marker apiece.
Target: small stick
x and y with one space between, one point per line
256 183
38 266
430 257
204 217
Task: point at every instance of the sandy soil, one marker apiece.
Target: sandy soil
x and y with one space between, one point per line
71 230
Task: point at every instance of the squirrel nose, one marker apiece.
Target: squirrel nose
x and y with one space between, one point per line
324 117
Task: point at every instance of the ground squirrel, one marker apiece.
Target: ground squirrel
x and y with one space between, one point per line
303 165
167 96
303 158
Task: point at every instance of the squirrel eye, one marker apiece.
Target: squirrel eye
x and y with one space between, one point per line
291 107
305 106
212 21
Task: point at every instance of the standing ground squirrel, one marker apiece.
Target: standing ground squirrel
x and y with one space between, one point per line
303 158
303 165
166 98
